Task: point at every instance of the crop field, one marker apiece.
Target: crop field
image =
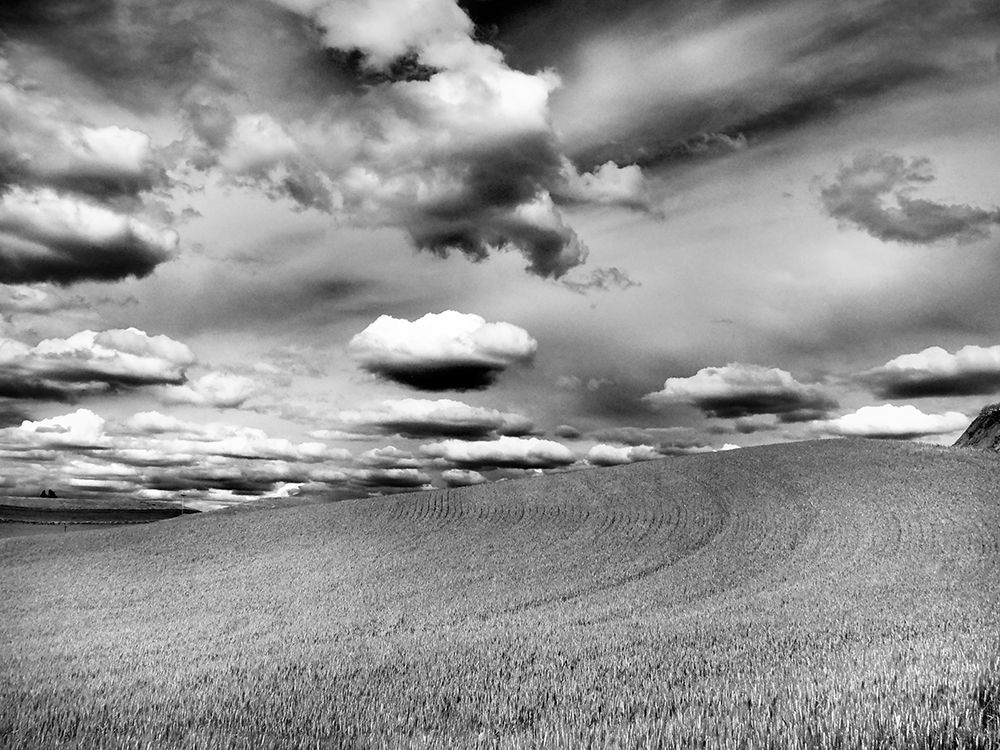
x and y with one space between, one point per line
832 594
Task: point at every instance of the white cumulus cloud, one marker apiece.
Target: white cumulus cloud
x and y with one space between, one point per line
888 421
90 361
441 351
413 417
603 454
217 389
972 370
739 390
504 452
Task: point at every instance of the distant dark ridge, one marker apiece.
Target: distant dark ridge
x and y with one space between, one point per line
984 432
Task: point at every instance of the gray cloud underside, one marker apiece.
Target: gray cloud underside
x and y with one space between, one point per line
22 259
859 190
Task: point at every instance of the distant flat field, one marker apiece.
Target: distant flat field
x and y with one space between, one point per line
16 528
824 595
40 518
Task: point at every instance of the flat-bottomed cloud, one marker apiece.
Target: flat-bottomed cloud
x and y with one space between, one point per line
441 351
970 371
90 361
504 452
424 418
740 390
893 422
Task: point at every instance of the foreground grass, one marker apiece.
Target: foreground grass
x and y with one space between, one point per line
816 596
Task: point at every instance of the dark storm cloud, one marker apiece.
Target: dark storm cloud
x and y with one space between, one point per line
741 390
971 371
859 191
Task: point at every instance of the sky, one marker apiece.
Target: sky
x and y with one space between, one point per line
337 248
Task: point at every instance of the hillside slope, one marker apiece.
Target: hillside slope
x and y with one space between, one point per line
835 589
984 432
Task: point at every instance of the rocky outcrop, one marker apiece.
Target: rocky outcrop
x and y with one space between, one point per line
984 432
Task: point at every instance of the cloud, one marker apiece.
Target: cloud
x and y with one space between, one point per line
608 184
444 351
386 29
415 124
740 390
45 236
44 145
35 299
859 190
601 280
421 418
255 150
893 422
389 457
217 389
156 456
566 431
970 371
67 192
740 74
172 435
90 361
390 479
534 227
80 429
439 138
504 452
462 477
603 454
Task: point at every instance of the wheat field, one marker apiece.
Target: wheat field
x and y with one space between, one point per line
831 594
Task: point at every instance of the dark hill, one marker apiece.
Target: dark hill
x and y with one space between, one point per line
984 432
826 594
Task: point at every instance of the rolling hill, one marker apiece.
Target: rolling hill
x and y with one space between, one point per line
826 594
